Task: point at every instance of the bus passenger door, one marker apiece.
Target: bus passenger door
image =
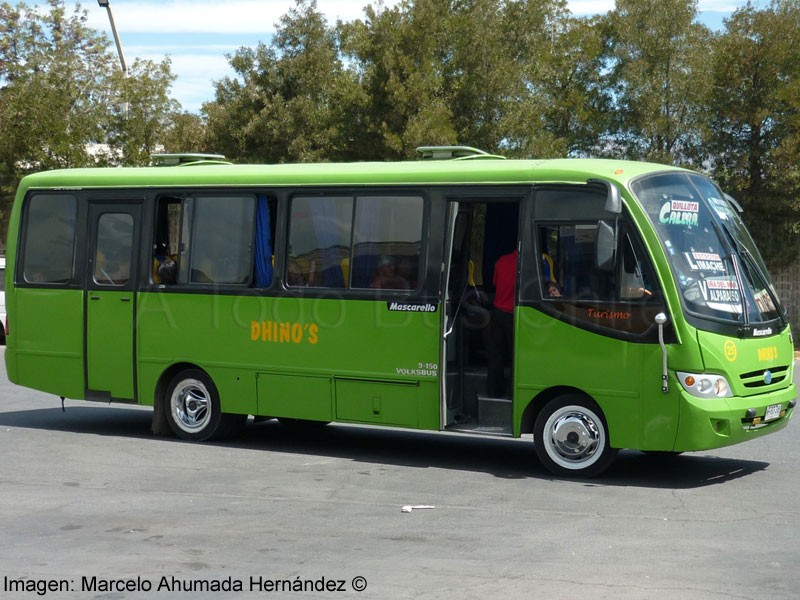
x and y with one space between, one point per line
477 368
110 300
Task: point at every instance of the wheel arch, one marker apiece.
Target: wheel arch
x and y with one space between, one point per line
538 402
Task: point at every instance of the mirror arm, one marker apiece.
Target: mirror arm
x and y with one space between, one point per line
613 198
661 318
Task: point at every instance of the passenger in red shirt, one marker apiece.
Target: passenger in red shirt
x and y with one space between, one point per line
501 333
505 279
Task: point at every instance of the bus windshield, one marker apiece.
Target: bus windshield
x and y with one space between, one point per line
717 267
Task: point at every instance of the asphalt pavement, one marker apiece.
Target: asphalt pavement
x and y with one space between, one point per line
92 506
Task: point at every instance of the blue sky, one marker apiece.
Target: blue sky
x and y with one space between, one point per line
197 34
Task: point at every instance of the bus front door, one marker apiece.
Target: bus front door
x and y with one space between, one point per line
110 300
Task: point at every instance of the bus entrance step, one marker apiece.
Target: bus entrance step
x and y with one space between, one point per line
494 412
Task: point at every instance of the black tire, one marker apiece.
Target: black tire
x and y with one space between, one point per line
571 437
193 408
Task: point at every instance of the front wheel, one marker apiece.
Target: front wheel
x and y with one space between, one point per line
193 408
571 437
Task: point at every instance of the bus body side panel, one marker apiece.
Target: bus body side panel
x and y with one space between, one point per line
47 326
312 358
623 378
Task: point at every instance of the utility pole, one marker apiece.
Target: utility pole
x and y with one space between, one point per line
107 5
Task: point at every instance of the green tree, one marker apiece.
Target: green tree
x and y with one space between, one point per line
287 101
185 132
456 71
495 77
54 74
53 91
565 108
139 116
397 56
63 102
754 133
660 75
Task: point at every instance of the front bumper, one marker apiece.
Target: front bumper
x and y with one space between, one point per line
713 423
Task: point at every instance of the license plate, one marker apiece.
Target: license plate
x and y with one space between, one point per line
773 412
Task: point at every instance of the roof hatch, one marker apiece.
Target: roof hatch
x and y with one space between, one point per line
454 153
188 158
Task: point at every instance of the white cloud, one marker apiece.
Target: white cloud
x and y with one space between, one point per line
595 7
196 74
590 7
207 16
192 94
160 49
190 64
719 5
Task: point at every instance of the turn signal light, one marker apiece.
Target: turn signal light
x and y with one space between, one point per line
690 381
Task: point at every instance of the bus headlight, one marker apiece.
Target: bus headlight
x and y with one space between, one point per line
703 385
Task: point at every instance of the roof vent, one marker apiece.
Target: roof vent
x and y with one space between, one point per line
453 153
187 158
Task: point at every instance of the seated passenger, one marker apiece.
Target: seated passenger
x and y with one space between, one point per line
168 272
407 271
550 285
386 277
294 274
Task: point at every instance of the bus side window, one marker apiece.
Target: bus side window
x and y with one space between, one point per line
635 283
386 242
167 236
210 238
319 241
567 263
222 236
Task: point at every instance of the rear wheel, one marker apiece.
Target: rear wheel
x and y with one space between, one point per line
193 408
571 437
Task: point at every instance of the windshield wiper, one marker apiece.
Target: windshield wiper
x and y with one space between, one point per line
757 271
730 247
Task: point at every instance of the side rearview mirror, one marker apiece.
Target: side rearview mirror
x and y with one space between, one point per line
605 246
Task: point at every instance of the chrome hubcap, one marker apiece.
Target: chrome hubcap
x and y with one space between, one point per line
574 437
190 405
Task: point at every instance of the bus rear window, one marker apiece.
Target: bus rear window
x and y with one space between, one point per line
49 239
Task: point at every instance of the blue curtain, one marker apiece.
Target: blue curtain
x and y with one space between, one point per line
263 258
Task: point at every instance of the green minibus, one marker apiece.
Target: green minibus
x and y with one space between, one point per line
596 304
